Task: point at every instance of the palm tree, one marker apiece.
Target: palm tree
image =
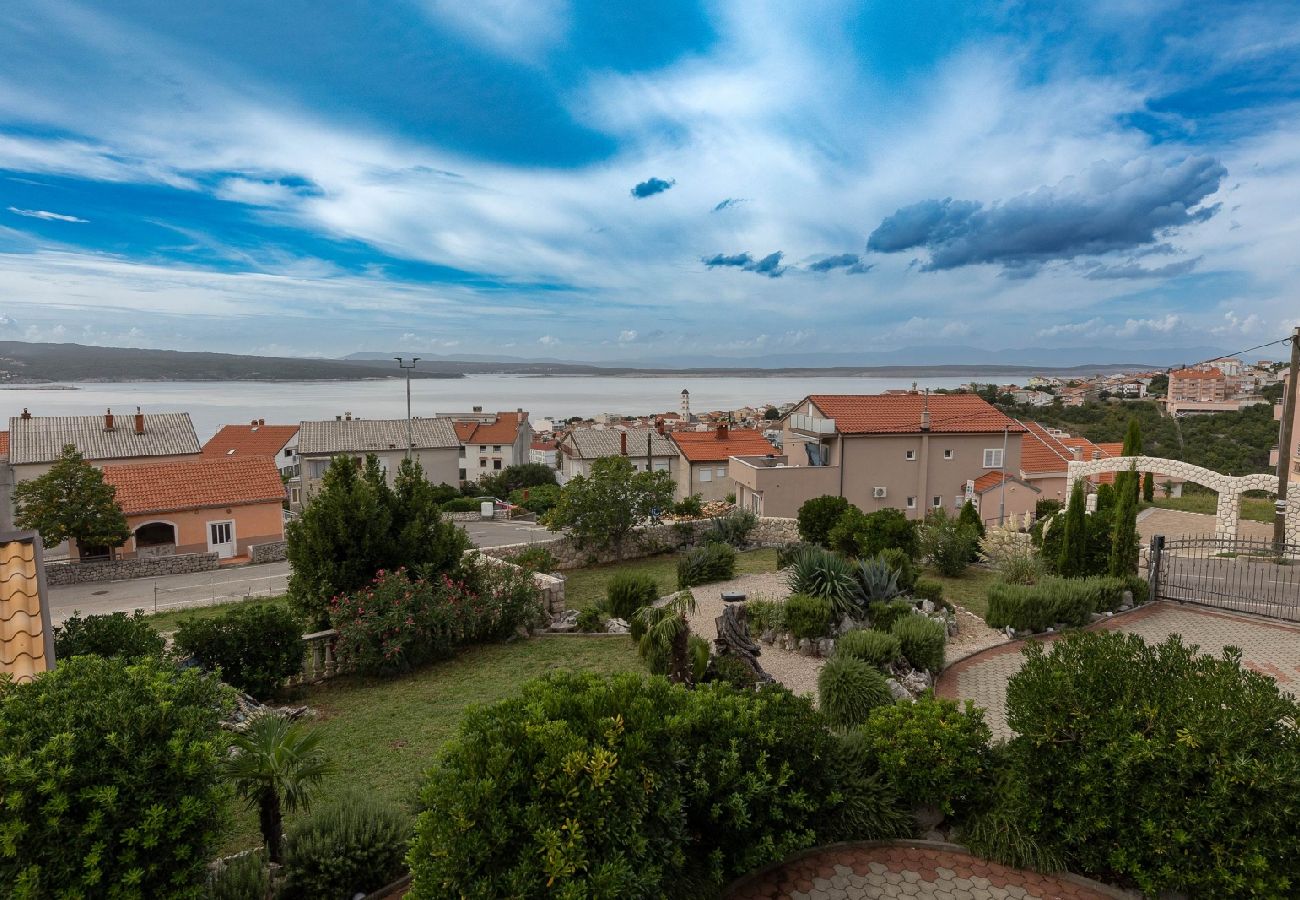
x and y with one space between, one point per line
667 636
275 769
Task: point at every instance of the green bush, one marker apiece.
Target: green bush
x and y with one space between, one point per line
933 752
928 589
591 619
689 506
536 559
848 689
706 563
860 534
1053 601
900 562
808 617
824 573
733 528
763 615
786 554
699 651
1155 766
922 640
629 591
733 671
354 845
116 634
539 499
256 645
884 615
628 786
872 647
818 516
110 778
244 877
462 505
949 544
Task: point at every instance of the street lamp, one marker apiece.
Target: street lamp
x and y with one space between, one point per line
410 439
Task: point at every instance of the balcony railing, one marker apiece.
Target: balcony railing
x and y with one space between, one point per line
812 424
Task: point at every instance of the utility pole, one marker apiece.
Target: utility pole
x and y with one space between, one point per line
1002 499
410 437
1286 443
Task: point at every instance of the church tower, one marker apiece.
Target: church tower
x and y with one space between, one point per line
686 405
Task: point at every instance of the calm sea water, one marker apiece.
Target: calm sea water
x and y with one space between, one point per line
213 404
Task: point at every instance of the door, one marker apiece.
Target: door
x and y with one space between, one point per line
221 539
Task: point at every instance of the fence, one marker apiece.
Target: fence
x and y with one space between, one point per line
1240 574
219 591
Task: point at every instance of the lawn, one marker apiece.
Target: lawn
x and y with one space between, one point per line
381 735
166 622
1255 509
583 587
970 590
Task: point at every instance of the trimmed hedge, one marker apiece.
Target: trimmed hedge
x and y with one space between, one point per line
115 634
1069 601
255 645
884 615
808 617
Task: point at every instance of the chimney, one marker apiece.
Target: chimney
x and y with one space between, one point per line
338 418
1077 452
26 414
261 421
139 421
721 432
253 423
1096 454
478 409
622 442
659 425
347 416
108 420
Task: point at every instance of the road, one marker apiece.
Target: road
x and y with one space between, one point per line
235 583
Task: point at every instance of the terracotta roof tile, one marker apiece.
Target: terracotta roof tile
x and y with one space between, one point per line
901 413
707 446
219 481
1195 373
249 440
25 638
1041 452
503 430
990 480
4 443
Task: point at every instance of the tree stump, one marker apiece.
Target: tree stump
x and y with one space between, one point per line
733 640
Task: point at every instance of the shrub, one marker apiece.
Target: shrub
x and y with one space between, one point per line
1045 508
922 640
116 634
947 543
733 528
256 645
462 505
626 787
818 516
807 616
111 779
590 620
244 877
822 573
1166 769
764 615
499 601
884 615
900 562
861 534
933 752
1069 601
355 845
539 499
601 509
698 650
928 589
871 809
877 581
629 591
786 554
1010 552
536 559
733 671
872 647
849 688
689 506
706 563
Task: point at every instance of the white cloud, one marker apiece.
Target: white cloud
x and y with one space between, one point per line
627 336
46 215
548 340
519 28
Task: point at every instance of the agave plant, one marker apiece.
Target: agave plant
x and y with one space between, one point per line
733 528
822 573
877 580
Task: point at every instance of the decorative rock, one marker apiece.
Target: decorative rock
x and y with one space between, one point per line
847 624
1125 607
768 636
916 682
927 606
806 647
928 816
825 647
617 626
1126 599
897 690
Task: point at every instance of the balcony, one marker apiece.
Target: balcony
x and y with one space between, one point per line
811 424
770 486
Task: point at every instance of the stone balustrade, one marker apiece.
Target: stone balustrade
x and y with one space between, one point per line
320 661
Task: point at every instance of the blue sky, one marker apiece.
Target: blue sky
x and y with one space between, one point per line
544 178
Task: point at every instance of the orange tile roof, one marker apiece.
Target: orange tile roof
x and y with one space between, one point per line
1112 449
901 413
249 440
708 446
1196 373
991 480
219 481
1041 452
502 431
4 443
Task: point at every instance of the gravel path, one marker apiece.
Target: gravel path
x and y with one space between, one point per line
973 635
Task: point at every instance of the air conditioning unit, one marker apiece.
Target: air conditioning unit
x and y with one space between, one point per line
878 493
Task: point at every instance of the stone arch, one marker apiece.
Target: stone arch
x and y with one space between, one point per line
1228 487
155 538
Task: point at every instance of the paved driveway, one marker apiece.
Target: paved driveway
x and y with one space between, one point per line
1271 648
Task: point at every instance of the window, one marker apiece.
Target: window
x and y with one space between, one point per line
316 467
910 454
496 464
661 465
947 454
462 451
993 458
295 495
482 448
911 503
937 502
462 475
706 474
482 462
288 451
721 472
496 448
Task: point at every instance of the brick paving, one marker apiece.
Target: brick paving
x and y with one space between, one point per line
1271 648
902 869
1175 523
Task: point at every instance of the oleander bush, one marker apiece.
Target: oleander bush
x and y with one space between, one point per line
629 591
628 786
848 689
1156 766
875 648
1052 601
110 780
823 573
808 617
706 563
884 615
353 845
255 645
818 516
922 640
115 634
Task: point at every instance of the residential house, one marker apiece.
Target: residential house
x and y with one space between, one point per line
6 485
277 442
1033 398
913 452
703 466
647 449
433 444
490 442
1198 386
26 635
999 495
545 453
217 504
1046 454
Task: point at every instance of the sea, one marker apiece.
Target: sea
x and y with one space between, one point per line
212 404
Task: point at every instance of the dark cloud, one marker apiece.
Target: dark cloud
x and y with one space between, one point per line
729 203
1109 208
851 263
651 187
769 265
721 259
1132 269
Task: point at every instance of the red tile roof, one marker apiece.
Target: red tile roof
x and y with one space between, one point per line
502 431
1041 452
708 446
249 440
901 413
4 443
172 486
1196 373
990 480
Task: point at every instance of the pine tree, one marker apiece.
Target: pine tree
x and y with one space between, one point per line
1072 562
1124 536
71 502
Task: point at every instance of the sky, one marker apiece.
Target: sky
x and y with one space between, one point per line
635 181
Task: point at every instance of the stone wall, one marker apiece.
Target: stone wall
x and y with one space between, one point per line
271 551
119 570
772 531
551 587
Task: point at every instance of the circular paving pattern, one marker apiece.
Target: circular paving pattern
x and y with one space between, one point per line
907 869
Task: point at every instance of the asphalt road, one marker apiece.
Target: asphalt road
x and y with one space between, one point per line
1239 584
234 583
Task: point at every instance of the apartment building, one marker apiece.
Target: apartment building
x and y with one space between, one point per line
704 460
912 451
1198 386
433 443
490 442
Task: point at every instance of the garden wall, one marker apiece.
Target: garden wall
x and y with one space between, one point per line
271 551
121 569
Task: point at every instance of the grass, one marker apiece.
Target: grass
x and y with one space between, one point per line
583 587
970 590
381 734
1255 509
169 621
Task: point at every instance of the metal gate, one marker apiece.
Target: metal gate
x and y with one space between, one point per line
1240 574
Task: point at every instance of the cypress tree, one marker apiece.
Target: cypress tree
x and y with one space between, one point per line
1072 563
1132 447
1149 487
1124 537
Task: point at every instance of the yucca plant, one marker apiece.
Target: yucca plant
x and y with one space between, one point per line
823 573
733 528
878 580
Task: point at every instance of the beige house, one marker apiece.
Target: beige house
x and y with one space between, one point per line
1198 386
490 442
647 449
434 446
704 463
908 451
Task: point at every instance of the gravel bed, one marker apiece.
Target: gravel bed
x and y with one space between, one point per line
973 635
